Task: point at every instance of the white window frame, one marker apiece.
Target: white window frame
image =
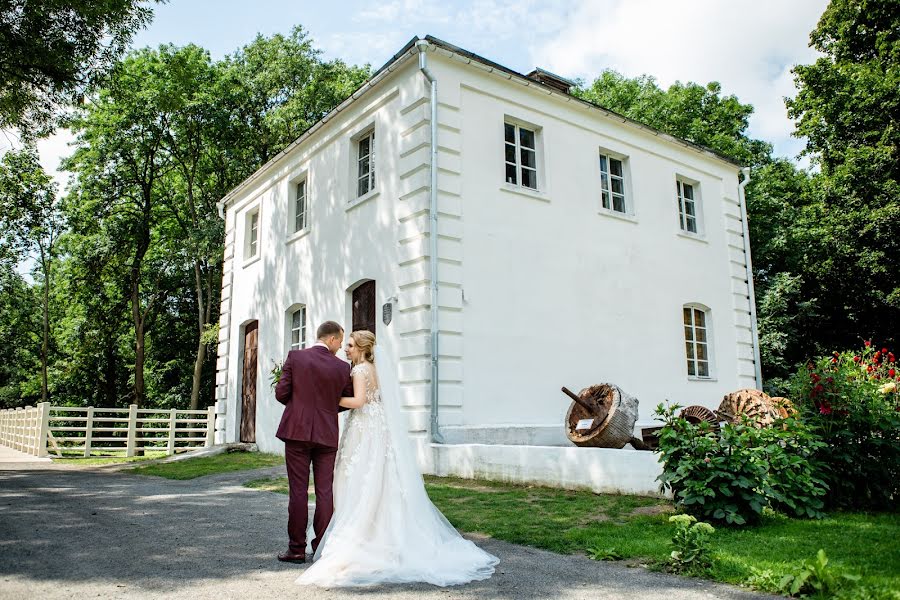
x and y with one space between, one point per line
606 180
252 234
519 151
682 202
301 330
370 176
693 343
299 209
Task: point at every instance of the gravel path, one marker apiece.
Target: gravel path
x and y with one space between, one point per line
103 533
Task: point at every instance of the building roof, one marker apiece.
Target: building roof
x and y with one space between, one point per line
541 78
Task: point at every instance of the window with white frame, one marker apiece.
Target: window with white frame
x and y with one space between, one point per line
298 328
251 235
612 183
365 163
687 206
300 207
696 341
520 155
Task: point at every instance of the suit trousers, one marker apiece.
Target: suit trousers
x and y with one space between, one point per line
298 456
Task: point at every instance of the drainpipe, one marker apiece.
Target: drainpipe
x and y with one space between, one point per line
436 436
754 332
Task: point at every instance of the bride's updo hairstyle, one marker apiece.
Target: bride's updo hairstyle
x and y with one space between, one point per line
365 343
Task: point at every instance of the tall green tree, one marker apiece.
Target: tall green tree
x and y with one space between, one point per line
848 109
119 162
28 203
52 51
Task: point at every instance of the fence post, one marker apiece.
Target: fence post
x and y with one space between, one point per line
44 429
132 430
20 427
88 431
210 426
170 447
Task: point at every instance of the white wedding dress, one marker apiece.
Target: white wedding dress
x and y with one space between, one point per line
385 528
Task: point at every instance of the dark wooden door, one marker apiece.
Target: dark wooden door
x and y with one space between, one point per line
364 307
248 383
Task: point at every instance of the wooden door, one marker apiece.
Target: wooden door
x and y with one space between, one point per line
248 383
364 307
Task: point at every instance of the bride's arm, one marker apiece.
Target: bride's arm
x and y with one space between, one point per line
359 392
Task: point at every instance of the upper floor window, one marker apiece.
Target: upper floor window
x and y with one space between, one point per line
612 183
365 161
520 155
696 341
298 328
251 234
300 209
687 206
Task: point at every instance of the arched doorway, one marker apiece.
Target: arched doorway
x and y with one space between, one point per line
363 307
248 383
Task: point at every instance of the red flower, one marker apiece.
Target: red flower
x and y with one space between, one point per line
825 409
890 357
815 377
856 359
868 343
830 380
884 351
876 357
869 369
891 372
833 361
819 388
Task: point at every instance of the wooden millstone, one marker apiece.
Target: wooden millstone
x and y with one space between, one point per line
613 411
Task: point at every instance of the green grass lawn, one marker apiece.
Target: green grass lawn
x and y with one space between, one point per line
104 457
637 528
208 465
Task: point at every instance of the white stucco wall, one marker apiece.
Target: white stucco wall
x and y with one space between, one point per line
537 290
556 292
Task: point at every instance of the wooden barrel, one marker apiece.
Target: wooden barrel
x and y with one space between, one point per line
604 417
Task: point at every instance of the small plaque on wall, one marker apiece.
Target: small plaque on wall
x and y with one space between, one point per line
585 424
387 311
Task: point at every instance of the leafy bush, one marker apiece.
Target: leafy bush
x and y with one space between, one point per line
692 553
815 577
852 401
599 553
733 474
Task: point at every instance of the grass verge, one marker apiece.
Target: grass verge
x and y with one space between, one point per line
209 465
637 528
103 458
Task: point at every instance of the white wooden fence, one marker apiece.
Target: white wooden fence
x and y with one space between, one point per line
37 429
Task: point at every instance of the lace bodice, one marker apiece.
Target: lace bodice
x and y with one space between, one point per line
373 393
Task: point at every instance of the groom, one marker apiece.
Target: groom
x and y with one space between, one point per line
312 383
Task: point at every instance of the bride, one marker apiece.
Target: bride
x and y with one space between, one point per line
385 529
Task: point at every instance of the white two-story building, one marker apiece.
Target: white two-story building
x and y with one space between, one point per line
573 246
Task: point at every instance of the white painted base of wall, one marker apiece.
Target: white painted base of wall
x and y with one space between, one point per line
601 470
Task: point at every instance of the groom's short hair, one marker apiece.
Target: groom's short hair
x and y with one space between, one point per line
327 329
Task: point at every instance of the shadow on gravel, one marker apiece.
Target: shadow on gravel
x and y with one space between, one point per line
161 535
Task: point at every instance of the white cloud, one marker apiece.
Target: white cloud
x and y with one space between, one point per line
749 46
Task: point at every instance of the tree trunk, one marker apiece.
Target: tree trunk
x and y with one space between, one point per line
45 342
139 392
202 318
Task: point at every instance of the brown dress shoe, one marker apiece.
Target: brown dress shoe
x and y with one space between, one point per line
292 558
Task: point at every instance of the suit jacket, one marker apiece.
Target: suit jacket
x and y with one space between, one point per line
313 380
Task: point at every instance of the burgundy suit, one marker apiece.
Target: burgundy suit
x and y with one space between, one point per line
312 383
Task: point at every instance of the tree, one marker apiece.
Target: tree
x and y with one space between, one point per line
52 51
119 163
690 111
28 200
848 108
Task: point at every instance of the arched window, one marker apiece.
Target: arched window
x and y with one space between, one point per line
697 341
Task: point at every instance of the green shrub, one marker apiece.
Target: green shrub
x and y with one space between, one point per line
692 555
733 474
852 401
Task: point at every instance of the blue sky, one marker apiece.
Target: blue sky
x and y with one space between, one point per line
749 46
